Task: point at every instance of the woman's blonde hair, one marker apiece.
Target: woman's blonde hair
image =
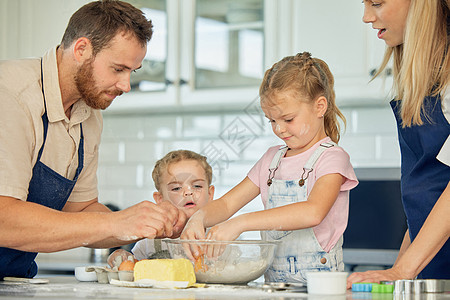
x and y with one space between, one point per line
163 164
308 77
421 65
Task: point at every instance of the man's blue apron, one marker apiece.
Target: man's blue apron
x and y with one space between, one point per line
47 188
424 178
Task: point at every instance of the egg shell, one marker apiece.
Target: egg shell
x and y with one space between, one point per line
126 265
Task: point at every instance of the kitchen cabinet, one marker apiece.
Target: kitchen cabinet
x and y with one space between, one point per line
212 54
205 54
334 32
28 28
217 51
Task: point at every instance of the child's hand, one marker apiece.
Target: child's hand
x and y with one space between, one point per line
226 231
117 257
194 230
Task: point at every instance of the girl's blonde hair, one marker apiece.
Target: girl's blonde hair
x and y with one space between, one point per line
310 78
421 65
163 164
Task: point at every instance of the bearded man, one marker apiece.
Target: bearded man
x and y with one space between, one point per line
50 129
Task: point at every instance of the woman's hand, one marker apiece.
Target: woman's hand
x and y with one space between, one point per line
375 276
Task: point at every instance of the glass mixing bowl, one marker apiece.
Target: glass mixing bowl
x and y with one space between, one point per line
230 262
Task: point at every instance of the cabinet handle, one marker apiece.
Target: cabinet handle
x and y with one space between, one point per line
387 72
180 82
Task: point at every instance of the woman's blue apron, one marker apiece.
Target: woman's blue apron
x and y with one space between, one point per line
424 178
47 188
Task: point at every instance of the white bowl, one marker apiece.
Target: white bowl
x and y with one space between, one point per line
327 283
82 275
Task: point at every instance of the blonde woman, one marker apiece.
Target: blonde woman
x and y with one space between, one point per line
417 35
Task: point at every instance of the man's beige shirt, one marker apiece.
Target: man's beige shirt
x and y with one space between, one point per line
21 129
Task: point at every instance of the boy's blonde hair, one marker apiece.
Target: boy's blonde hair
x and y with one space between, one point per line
421 65
310 78
163 164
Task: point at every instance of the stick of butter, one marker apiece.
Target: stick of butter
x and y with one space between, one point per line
180 269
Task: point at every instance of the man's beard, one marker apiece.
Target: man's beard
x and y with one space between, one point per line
86 85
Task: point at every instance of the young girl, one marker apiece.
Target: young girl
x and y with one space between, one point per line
417 35
304 184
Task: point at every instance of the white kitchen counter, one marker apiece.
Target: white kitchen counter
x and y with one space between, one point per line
69 288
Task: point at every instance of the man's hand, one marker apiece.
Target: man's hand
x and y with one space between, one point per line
180 221
146 220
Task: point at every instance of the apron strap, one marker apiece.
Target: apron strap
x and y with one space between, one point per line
275 163
308 166
277 158
315 156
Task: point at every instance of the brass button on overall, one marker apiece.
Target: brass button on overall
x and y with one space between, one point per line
323 260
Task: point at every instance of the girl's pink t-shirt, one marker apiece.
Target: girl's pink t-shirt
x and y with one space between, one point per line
332 160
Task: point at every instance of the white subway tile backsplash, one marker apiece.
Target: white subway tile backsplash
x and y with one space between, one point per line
140 151
238 136
109 152
389 150
361 149
123 127
193 145
201 126
235 173
126 197
232 141
148 179
375 121
134 196
161 127
259 146
119 176
102 181
221 157
255 125
220 150
347 112
159 150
